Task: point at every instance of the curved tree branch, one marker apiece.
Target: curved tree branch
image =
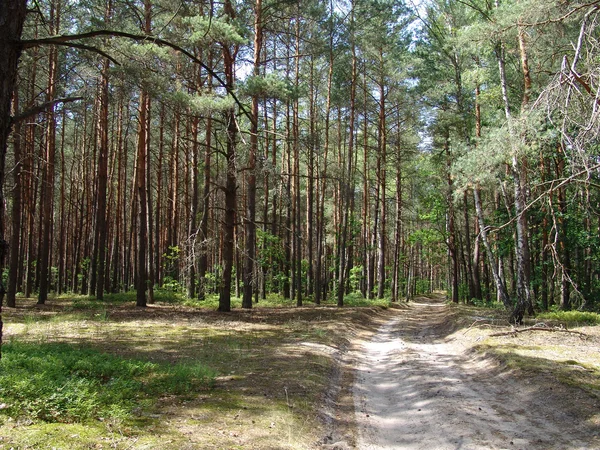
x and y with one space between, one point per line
39 108
68 40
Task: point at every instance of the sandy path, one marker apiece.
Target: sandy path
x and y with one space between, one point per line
416 389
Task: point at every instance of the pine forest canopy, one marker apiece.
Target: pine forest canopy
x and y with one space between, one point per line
381 148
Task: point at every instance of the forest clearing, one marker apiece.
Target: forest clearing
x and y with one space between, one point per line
277 377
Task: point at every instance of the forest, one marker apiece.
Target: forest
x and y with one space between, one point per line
310 150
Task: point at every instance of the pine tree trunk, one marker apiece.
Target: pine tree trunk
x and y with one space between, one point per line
310 190
452 246
346 190
367 282
12 16
297 233
250 220
49 164
203 261
98 260
319 278
193 234
381 174
230 189
140 187
522 243
16 215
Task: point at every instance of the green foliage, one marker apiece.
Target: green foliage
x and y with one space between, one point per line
483 303
423 286
356 275
170 284
207 30
572 318
268 86
66 383
426 236
356 299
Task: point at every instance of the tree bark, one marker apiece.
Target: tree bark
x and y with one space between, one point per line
346 189
16 216
49 165
12 16
250 221
230 189
99 258
140 177
381 175
522 243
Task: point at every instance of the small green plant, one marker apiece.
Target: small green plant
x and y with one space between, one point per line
65 383
572 318
356 299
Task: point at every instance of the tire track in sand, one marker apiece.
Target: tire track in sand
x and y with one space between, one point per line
416 389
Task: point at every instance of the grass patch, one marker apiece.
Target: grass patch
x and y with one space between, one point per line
274 364
572 318
59 382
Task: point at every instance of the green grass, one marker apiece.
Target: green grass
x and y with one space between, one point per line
58 382
572 318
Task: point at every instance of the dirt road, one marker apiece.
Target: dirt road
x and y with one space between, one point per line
417 387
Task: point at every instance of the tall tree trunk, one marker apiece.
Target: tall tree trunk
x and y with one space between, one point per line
297 233
381 178
193 233
141 179
173 202
230 189
250 221
310 189
319 278
16 215
49 163
12 16
452 245
203 260
522 243
204 249
398 227
564 252
368 277
149 219
140 190
475 274
29 182
346 190
100 241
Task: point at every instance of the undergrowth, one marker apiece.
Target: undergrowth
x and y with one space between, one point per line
572 318
57 382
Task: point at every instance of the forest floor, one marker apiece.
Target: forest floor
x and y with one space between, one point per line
419 375
434 377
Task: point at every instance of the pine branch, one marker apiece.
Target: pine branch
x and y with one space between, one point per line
39 108
67 40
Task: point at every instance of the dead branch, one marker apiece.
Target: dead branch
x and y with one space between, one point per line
515 331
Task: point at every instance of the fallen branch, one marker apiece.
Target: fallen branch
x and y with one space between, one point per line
477 324
522 330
